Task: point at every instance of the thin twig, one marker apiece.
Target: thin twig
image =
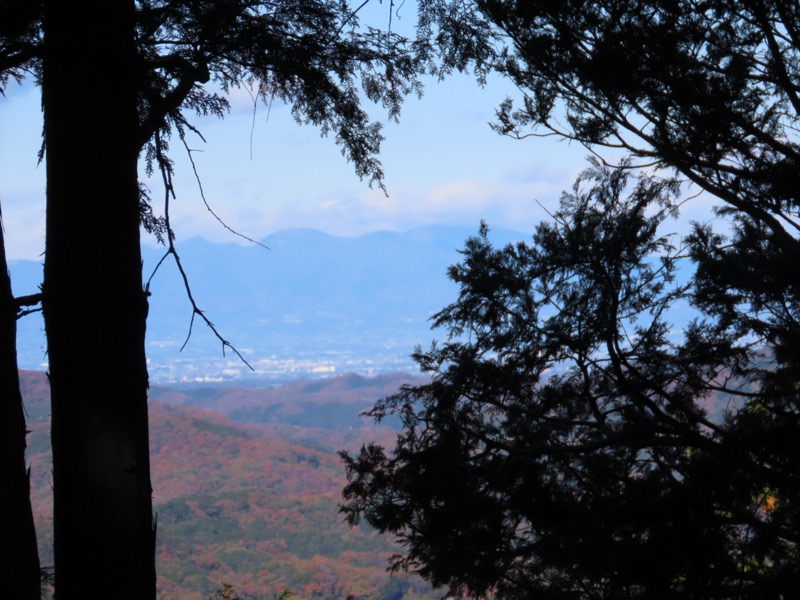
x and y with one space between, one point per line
208 206
350 18
153 274
253 123
166 175
30 300
25 313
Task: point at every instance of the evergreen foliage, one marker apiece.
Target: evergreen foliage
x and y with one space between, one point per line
565 446
118 81
610 476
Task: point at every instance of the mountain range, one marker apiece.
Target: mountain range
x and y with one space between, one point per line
302 304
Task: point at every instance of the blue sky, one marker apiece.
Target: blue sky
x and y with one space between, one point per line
443 165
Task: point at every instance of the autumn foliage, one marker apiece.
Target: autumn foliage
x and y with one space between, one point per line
245 505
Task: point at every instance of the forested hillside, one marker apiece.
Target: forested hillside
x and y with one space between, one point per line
254 506
331 404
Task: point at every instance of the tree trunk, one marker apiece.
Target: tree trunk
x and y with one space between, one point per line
94 305
19 555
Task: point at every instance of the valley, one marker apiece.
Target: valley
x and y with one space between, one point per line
246 486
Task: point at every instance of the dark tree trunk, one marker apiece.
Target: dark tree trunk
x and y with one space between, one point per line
19 556
94 305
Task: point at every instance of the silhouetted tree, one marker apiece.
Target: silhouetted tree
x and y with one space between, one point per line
708 91
707 88
19 558
569 444
20 38
117 81
94 303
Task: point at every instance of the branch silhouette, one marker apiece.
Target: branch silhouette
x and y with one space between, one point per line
165 168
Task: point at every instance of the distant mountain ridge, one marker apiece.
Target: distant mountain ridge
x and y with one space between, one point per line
312 305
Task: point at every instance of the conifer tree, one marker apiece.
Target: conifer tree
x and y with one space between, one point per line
569 444
119 80
19 559
705 92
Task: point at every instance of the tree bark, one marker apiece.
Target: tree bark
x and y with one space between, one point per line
19 555
94 305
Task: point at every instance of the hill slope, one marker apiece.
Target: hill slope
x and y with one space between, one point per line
247 505
327 404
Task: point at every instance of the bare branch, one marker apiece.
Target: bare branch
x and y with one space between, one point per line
205 201
169 190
